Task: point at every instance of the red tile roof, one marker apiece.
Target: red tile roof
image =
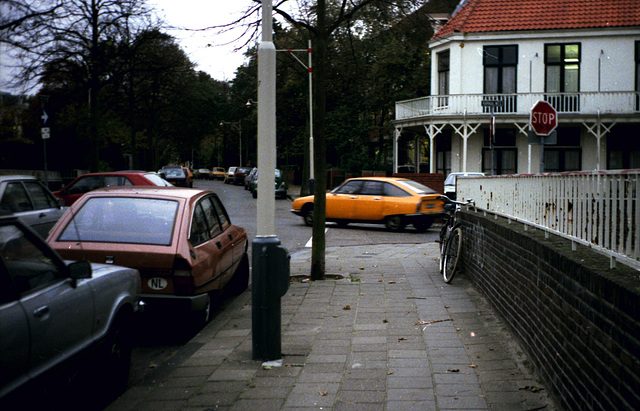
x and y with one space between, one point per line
511 15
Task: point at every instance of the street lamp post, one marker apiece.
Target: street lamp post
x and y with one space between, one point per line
310 71
238 126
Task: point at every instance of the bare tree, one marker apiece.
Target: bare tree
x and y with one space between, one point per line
46 35
321 19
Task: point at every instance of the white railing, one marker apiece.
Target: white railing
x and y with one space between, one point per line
608 102
600 209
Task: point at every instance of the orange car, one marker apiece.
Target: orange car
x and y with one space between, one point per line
394 202
180 240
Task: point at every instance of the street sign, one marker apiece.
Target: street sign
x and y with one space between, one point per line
544 118
492 103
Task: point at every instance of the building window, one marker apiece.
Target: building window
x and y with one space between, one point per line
443 152
500 64
443 78
566 154
503 158
562 76
623 152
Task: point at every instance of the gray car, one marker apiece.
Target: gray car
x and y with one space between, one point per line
52 311
30 200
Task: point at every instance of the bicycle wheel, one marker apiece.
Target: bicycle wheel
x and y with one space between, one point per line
444 236
452 254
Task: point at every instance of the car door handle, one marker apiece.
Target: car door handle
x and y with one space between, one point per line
377 198
41 312
230 236
42 215
219 244
353 197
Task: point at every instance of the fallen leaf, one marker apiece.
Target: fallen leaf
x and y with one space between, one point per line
385 321
401 339
322 393
346 307
266 367
392 282
473 366
389 373
453 370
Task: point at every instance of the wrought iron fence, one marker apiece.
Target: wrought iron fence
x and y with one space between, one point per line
600 209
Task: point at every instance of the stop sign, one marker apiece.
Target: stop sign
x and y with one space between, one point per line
544 118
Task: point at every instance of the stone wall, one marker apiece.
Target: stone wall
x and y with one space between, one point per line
431 180
578 320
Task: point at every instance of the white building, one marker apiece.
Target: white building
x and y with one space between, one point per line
582 56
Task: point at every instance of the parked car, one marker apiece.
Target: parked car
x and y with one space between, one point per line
181 240
451 180
280 185
229 175
240 174
394 202
177 175
28 198
53 312
203 174
218 173
88 182
250 177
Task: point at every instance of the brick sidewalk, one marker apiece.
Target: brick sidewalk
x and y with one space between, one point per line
388 335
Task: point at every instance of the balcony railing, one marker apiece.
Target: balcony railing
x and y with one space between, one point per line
598 209
608 102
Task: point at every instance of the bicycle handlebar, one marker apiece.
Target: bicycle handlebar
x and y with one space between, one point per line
450 201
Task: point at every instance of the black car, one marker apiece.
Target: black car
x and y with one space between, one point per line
176 175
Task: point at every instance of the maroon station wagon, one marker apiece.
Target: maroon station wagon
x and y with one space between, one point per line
92 181
181 240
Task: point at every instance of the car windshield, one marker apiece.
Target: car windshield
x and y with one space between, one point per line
123 220
416 187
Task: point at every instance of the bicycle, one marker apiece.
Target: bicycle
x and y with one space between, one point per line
451 238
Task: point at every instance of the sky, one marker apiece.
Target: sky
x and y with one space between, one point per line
218 60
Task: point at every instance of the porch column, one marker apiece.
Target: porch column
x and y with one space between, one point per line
465 130
396 137
599 130
432 131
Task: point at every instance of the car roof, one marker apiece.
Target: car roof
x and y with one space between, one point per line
389 179
110 173
149 191
16 177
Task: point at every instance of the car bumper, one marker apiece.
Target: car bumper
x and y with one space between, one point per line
297 212
166 302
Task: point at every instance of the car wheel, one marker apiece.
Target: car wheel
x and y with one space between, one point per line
240 280
117 354
423 224
308 217
394 223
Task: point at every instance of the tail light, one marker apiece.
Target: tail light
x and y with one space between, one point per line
183 278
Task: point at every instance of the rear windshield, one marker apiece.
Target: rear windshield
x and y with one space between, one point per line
416 187
123 220
157 180
173 172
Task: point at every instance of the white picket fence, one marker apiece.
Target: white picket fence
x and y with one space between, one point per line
600 209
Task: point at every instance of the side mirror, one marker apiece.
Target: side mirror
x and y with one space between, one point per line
79 270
